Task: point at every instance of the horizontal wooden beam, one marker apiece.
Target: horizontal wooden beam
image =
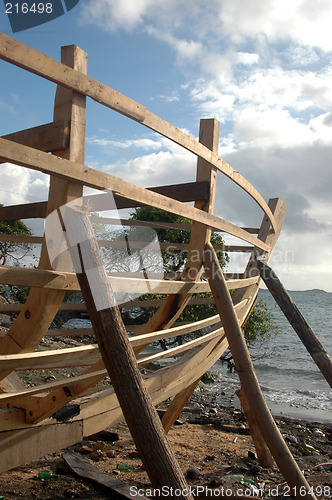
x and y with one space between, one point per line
191 191
30 59
18 238
68 281
50 137
24 211
53 165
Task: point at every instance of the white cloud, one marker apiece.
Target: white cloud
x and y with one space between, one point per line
142 143
20 185
307 21
263 69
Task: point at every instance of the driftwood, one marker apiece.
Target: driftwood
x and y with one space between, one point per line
297 320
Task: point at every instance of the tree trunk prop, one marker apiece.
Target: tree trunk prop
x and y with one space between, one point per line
297 320
249 384
142 419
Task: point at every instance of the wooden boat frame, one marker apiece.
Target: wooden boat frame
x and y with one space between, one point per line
27 428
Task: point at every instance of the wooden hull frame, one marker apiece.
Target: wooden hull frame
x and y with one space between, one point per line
27 428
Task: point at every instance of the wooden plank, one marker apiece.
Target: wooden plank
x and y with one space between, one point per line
179 192
66 169
132 304
174 352
148 435
50 137
68 385
83 469
190 191
35 359
176 406
249 383
163 385
23 446
25 211
36 62
17 238
297 320
135 245
133 222
68 281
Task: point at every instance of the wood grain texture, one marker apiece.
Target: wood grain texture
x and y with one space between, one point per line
249 383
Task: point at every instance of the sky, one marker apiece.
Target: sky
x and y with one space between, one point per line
262 68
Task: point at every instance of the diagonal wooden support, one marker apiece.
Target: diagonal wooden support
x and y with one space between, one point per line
142 418
288 467
298 322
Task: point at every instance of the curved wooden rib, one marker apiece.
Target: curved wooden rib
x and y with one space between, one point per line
69 170
42 65
68 281
35 360
96 376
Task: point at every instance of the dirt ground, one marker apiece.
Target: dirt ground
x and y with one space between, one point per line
211 444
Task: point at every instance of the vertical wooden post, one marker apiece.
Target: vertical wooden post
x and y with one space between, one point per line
249 384
41 305
296 319
142 418
200 235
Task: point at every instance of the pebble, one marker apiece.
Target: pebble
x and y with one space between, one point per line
192 473
290 438
85 450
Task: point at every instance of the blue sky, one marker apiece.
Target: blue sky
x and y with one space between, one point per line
262 68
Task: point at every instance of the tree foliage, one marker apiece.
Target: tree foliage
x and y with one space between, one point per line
260 322
11 252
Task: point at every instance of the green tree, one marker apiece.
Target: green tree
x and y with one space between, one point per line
260 322
174 259
13 253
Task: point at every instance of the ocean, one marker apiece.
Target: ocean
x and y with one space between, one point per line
290 380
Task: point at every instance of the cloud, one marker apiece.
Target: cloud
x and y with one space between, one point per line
21 185
263 70
306 21
142 143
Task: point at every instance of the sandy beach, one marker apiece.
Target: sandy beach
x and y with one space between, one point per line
213 447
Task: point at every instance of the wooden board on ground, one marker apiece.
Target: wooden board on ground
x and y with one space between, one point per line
82 467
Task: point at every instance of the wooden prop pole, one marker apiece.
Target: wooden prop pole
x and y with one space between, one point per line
296 319
142 419
249 384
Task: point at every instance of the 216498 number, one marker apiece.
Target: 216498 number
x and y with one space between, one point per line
25 8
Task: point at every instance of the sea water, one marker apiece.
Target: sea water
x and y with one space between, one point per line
289 378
